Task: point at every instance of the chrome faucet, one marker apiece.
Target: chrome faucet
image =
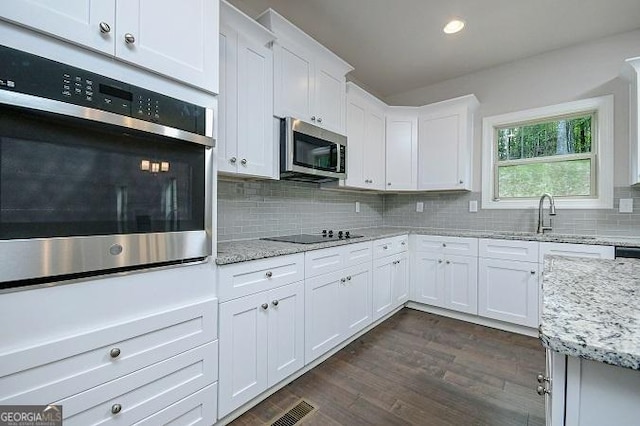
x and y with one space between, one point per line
552 212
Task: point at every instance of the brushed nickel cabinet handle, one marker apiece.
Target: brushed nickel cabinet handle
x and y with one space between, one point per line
269 274
116 408
104 28
114 353
265 306
129 38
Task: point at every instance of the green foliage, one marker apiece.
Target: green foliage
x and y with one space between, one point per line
556 137
560 178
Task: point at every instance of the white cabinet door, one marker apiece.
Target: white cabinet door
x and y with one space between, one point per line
286 331
427 279
383 297
77 21
293 82
324 317
227 143
328 98
401 152
461 283
400 279
174 39
508 291
255 109
357 293
366 140
243 351
445 144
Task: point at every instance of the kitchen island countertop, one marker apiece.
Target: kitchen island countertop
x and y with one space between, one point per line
591 309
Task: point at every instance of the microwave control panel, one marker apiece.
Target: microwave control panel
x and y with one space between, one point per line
33 75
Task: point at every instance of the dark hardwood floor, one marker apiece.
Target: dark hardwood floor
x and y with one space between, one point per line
420 369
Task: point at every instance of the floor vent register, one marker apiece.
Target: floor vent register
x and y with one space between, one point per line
295 415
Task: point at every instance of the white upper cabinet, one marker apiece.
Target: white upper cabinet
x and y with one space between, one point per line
632 72
245 134
365 140
401 149
445 144
309 80
169 37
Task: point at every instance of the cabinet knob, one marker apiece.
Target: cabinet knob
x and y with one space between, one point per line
448 262
439 260
233 160
129 38
319 119
541 390
533 272
114 353
349 278
116 408
265 306
461 181
343 280
243 161
313 118
541 378
367 181
404 243
388 183
269 274
275 303
444 244
104 28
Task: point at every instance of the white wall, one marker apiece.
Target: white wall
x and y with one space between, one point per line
578 72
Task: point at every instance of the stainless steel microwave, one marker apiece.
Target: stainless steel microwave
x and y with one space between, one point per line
310 153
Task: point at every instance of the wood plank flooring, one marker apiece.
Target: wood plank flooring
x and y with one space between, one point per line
420 369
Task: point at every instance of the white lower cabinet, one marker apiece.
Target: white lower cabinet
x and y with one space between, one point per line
446 281
390 284
337 305
261 343
197 410
508 291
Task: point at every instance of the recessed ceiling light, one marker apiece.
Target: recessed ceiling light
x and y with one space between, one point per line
453 26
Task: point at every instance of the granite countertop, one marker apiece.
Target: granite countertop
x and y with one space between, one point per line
245 250
591 309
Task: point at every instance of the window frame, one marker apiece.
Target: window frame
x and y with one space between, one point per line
602 153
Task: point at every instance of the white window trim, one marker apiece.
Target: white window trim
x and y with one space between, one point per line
603 106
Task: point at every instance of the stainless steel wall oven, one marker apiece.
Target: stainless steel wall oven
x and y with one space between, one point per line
97 175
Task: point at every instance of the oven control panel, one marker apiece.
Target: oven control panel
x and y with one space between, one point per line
33 75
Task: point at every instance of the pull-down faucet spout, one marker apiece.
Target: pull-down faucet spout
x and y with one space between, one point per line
552 212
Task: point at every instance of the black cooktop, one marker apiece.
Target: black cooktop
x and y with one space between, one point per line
311 238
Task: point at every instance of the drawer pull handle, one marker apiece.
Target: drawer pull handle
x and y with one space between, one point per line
275 303
268 274
116 408
114 353
265 306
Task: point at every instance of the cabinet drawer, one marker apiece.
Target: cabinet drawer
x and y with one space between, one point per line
526 251
357 253
576 250
447 245
144 392
65 367
199 409
389 246
318 262
241 279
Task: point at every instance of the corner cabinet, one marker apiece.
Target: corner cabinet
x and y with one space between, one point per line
246 143
401 149
365 140
632 73
309 80
169 37
445 144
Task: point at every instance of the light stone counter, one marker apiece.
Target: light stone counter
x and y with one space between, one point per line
591 309
245 250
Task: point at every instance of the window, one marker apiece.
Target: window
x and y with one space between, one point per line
565 150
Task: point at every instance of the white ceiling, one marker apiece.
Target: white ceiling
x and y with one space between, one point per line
398 45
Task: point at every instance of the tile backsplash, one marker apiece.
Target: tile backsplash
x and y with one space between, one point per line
254 209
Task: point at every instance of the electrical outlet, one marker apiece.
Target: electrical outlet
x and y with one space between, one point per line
419 206
357 206
473 206
626 205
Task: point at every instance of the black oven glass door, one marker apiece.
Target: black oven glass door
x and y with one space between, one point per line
62 177
314 153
